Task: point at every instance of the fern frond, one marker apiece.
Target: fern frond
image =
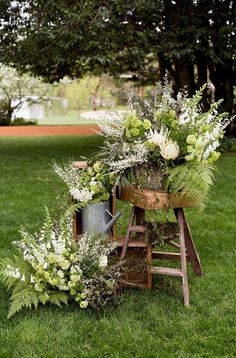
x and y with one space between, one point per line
58 297
194 181
25 298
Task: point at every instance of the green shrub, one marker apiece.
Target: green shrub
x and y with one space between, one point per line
24 122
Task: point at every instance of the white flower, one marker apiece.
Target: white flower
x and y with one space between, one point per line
103 261
184 118
81 195
157 138
169 150
60 273
138 154
23 278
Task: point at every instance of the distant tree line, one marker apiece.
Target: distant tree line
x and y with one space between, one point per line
192 41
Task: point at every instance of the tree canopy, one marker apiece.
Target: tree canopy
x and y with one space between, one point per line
191 41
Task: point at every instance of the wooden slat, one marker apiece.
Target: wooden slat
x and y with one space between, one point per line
166 271
138 228
175 256
132 242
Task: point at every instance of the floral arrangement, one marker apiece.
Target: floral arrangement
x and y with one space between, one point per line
88 185
51 267
171 139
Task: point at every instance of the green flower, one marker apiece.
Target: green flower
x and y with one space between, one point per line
72 291
98 167
90 171
157 116
95 188
127 134
46 275
147 124
191 139
213 157
65 264
54 281
135 132
137 123
83 304
189 157
105 196
172 113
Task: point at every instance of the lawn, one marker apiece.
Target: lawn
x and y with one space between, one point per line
145 324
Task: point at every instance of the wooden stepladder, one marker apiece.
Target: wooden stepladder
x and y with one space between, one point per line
145 199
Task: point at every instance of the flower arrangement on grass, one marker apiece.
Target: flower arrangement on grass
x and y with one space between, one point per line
89 185
170 139
51 267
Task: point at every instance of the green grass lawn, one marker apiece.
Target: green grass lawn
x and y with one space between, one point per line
73 117
145 324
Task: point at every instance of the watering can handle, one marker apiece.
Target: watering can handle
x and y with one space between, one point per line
108 212
113 220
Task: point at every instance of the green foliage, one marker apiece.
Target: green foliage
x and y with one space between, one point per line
193 180
24 122
172 141
23 294
81 93
51 268
147 323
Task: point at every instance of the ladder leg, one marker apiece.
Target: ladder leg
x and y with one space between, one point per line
180 218
149 264
190 247
126 240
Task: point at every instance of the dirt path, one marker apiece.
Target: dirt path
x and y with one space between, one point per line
30 131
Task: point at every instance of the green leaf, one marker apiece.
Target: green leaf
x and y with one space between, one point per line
193 180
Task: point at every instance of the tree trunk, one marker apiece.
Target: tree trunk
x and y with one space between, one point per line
185 72
95 94
222 78
6 113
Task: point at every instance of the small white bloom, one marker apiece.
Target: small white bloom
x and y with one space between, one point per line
103 261
82 195
60 273
23 278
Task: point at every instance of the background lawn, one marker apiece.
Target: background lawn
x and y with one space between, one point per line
145 324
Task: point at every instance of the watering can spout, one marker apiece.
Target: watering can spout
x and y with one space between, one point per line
113 220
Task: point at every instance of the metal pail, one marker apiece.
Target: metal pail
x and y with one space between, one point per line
95 217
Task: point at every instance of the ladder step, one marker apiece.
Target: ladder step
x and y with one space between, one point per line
174 256
165 271
132 242
138 228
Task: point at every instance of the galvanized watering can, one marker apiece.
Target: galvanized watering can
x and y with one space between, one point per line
97 218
